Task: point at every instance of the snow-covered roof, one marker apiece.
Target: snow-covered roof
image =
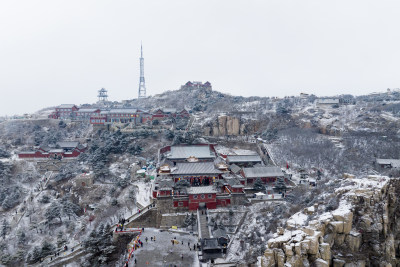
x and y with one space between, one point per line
56 150
184 152
243 158
68 144
394 162
88 110
201 189
169 110
195 168
27 152
262 172
122 111
66 106
328 101
234 168
209 243
220 233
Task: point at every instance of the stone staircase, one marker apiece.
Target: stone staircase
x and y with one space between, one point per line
203 225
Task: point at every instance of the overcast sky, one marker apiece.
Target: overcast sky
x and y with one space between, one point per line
54 52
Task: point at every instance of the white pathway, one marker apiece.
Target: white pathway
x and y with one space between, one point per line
162 252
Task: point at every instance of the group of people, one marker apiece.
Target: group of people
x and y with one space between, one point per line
120 224
174 241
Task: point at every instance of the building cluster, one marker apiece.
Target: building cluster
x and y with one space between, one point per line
198 176
65 149
98 116
335 101
388 163
197 85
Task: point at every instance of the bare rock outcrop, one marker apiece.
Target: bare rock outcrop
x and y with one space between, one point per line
230 125
363 231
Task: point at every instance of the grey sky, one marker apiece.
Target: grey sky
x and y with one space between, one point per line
54 52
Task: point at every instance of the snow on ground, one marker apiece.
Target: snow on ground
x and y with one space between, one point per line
234 151
298 219
162 252
143 193
388 116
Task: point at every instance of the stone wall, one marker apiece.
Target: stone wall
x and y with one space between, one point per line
363 231
175 219
147 219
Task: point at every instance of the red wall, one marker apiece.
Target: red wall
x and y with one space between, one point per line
223 202
185 203
210 202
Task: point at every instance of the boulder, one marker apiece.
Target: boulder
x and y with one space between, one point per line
280 231
314 245
338 227
353 241
346 217
289 250
325 251
339 239
305 246
268 259
321 263
338 263
279 257
330 238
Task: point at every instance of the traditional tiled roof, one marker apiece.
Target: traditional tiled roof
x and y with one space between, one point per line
233 181
201 190
394 162
169 110
195 168
88 110
243 158
165 184
256 172
68 144
328 101
184 152
209 243
234 168
122 111
56 150
66 106
220 233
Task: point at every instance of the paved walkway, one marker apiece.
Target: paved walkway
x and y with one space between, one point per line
162 252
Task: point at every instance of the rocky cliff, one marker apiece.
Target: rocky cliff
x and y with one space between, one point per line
362 231
229 125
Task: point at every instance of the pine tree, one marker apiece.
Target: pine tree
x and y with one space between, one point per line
258 185
35 255
4 228
52 212
69 208
187 221
21 238
60 239
193 220
280 185
47 249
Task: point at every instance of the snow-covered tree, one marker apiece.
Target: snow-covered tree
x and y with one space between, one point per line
61 241
258 185
280 185
4 228
53 212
